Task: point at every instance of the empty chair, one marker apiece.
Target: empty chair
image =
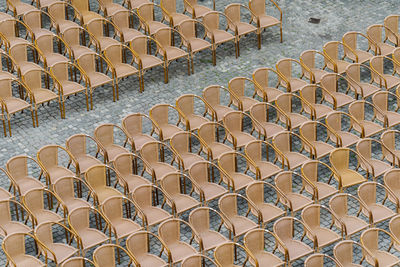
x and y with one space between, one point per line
11 223
392 23
394 230
96 178
98 72
187 147
49 159
344 162
264 157
368 149
348 253
337 122
262 77
261 17
314 96
75 38
391 179
342 205
68 191
143 57
361 111
26 57
161 115
60 19
234 221
382 76
117 55
7 70
68 83
335 61
150 212
290 153
356 73
266 117
389 146
138 244
122 225
80 146
12 104
109 8
352 49
374 207
215 33
212 135
258 242
215 96
176 187
124 19
260 193
171 14
10 28
89 235
34 202
207 236
84 13
171 234
205 175
243 93
102 40
236 134
291 110
318 174
105 256
319 260
197 261
372 239
157 162
43 88
334 84
133 125
192 119
108 135
34 19
14 246
286 67
235 174
238 26
169 52
21 170
18 8
381 35
289 194
58 252
310 60
226 255
77 262
387 104
148 22
311 216
197 11
285 229
128 174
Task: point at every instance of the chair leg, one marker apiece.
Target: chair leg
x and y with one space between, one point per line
188 65
238 48
61 108
37 120
214 56
166 74
9 127
113 89
259 40
33 118
117 90
87 102
281 33
4 128
192 65
91 100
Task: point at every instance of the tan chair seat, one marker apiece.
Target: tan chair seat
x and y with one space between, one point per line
297 249
14 227
325 190
297 119
106 42
271 128
380 212
75 203
370 127
295 159
98 79
89 15
141 139
15 104
177 18
5 195
47 216
242 224
385 258
149 260
181 250
391 80
393 118
322 148
155 26
369 89
241 180
62 251
266 259
53 58
45 3
113 8
198 44
200 10
218 149
149 61
212 190
245 28
196 121
17 40
135 181
87 161
56 172
107 192
125 227
184 202
27 66
380 167
269 211
221 36
318 73
221 111
321 110
342 65
155 215
136 3
386 49
27 183
362 55
161 169
41 32
296 84
353 224
325 236
267 169
79 50
64 24
298 201
124 70
348 138
341 99
267 21
70 88
114 150
27 261
350 177
174 52
272 93
92 237
130 34
6 74
169 130
212 239
242 138
190 158
248 102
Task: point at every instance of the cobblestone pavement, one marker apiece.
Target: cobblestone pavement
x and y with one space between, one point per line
337 17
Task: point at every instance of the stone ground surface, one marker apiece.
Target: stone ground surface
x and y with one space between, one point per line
337 17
